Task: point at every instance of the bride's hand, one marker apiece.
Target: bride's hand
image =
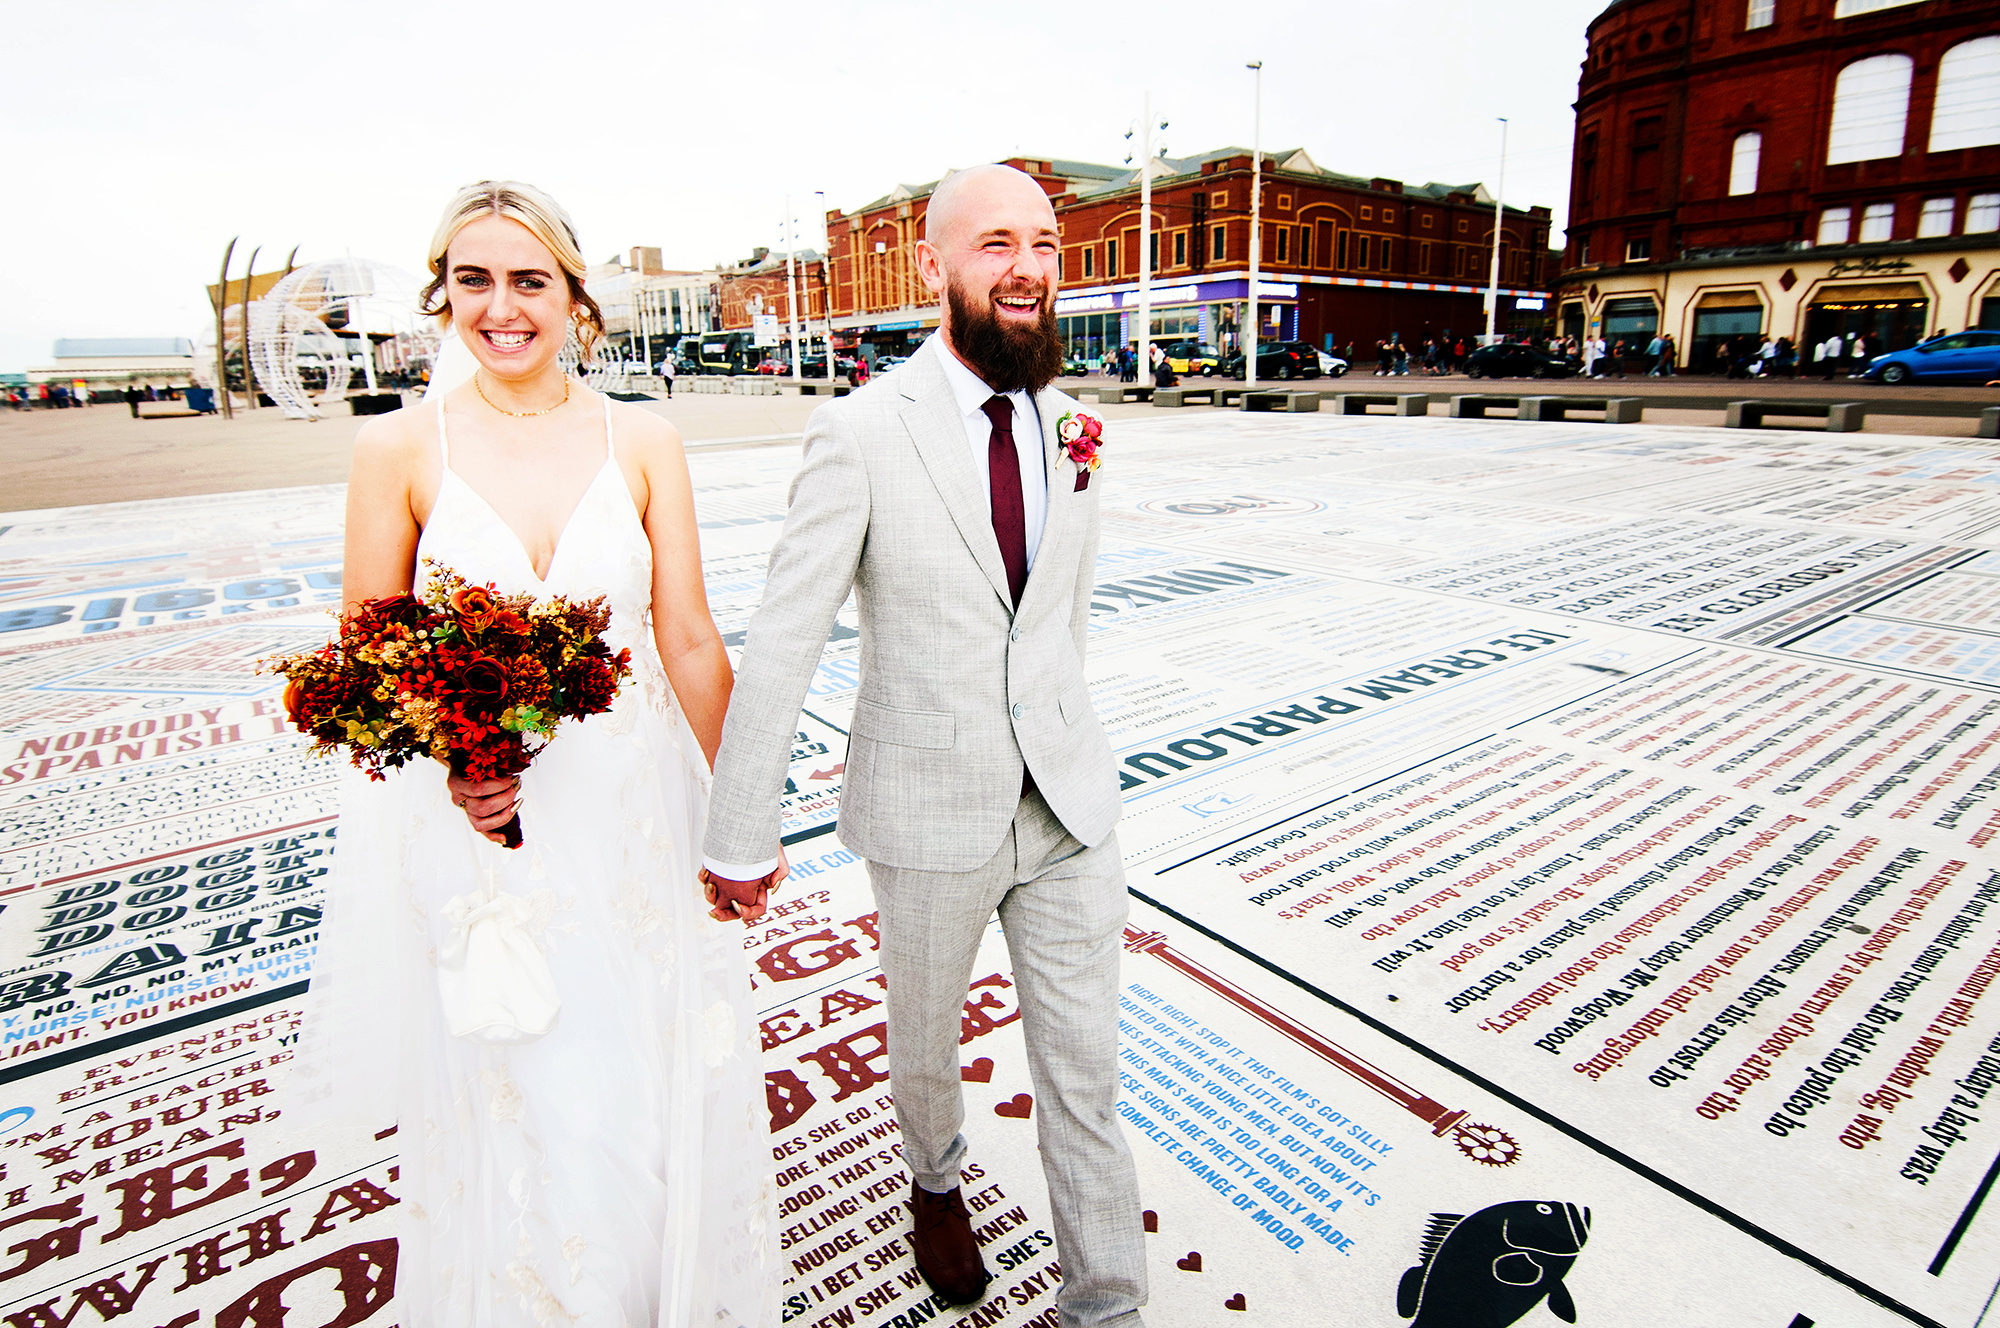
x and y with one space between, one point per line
488 803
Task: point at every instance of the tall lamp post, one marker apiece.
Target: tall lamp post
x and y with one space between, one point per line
1146 237
1249 339
826 280
1493 282
792 289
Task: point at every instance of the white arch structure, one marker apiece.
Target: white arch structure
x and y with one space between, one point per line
289 334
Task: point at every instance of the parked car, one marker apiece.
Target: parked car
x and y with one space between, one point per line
884 363
814 366
1974 356
1191 357
1511 359
1073 367
1278 361
1331 366
774 367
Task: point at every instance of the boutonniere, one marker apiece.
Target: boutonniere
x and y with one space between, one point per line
1081 435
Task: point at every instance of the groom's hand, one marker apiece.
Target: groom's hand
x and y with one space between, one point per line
732 900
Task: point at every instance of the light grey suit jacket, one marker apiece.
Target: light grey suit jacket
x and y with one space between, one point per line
958 688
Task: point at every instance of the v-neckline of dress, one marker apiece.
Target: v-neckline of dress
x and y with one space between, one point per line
562 536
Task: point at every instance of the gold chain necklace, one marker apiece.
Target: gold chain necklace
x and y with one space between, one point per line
521 414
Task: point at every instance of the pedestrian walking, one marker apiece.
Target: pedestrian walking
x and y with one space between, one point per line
133 396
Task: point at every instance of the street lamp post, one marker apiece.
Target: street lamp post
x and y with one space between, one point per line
1249 339
1493 282
1146 237
826 280
792 289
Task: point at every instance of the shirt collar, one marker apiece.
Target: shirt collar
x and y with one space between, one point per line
967 388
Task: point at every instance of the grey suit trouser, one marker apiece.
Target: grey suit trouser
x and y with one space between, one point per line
1062 908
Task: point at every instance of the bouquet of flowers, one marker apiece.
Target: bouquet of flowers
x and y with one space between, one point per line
464 675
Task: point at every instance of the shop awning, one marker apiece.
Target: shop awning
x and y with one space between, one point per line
1735 299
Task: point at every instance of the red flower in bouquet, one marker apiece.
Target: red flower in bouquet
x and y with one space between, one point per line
465 675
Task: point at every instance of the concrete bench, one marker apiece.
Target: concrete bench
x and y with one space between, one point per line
1989 423
1228 398
1114 396
1844 417
165 410
1400 403
1180 396
1281 401
1616 410
821 388
1474 407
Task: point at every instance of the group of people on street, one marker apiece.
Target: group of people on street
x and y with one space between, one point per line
46 396
1857 350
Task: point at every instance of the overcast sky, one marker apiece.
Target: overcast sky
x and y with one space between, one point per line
143 136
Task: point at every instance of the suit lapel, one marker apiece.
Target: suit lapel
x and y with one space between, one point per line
1051 406
930 413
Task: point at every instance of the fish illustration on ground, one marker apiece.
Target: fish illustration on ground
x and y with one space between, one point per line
1490 1269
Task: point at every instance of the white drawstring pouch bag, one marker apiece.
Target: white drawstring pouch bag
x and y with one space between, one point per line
493 980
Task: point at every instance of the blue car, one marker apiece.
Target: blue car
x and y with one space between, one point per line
1961 355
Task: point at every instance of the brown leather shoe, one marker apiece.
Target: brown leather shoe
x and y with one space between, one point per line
947 1255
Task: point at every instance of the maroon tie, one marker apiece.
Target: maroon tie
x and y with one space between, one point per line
1010 521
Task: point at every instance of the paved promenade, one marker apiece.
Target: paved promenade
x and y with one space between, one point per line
101 454
1562 861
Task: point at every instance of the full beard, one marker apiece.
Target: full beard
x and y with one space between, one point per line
1008 357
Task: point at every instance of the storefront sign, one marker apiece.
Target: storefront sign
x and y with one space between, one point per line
1868 266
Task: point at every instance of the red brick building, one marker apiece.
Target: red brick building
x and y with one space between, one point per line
1343 260
758 286
1792 168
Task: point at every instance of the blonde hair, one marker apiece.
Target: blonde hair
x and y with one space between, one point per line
544 218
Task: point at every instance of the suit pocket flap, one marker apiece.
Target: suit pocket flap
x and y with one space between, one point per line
1074 702
905 728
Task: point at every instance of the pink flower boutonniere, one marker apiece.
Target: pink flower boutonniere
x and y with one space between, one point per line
1081 435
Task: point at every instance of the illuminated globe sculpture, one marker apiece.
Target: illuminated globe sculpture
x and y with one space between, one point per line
327 322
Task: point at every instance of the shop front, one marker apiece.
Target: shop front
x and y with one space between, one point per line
1095 323
1723 316
1895 294
1893 315
874 340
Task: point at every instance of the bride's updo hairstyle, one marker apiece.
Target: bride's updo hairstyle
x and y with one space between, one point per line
544 217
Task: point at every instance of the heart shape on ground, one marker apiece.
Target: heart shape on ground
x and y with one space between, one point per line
1149 1220
1019 1107
979 1072
1191 1264
1236 1302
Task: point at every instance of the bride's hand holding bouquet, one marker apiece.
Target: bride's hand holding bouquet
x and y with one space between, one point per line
464 675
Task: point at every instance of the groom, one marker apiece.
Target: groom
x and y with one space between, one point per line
978 778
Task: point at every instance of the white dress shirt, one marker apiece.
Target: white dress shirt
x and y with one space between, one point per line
971 395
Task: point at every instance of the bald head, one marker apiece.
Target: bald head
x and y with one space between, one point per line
978 196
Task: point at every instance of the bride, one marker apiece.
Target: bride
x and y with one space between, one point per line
612 1170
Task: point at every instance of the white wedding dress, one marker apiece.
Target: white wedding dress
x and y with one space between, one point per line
617 1170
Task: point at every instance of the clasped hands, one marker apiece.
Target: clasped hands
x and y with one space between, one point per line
490 804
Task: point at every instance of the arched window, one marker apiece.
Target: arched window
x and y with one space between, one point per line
1743 158
1871 102
1967 113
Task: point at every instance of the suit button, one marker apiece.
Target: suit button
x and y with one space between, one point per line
1014 634
1019 710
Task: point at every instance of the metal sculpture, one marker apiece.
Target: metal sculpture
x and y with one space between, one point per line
300 359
